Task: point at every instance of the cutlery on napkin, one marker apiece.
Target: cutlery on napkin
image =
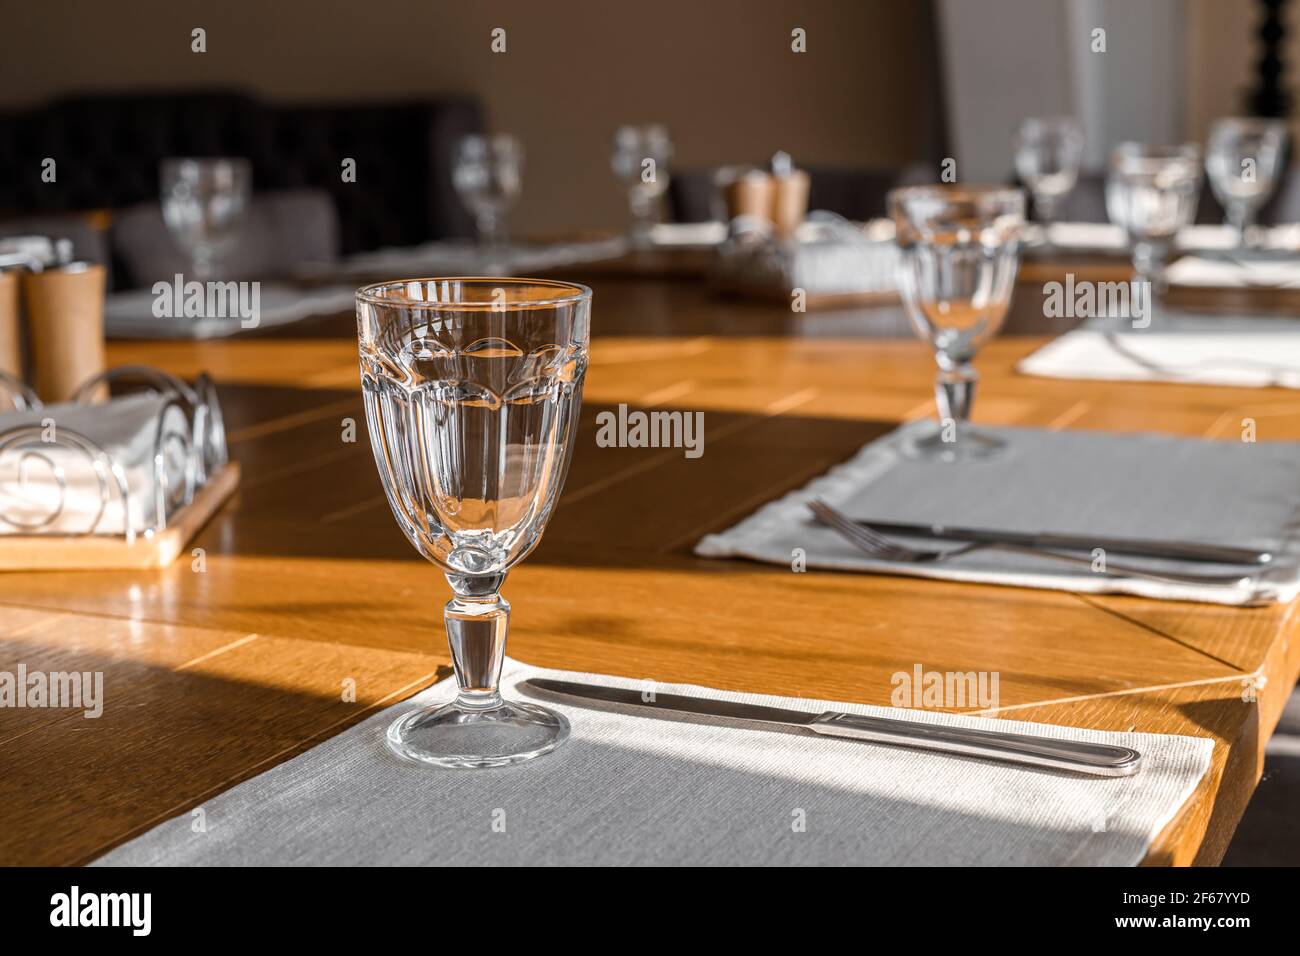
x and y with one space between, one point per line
1084 484
1179 347
625 790
1101 760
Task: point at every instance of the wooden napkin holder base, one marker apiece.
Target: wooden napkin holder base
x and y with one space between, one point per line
112 552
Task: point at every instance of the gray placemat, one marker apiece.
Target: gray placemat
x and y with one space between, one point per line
635 790
1072 482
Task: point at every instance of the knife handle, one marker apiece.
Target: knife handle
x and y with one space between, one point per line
1103 760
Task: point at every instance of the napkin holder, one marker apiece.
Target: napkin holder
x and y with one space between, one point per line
178 500
836 263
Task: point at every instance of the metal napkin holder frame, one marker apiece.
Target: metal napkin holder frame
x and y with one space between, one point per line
202 449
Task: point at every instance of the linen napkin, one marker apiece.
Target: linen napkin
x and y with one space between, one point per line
828 256
1108 237
126 429
628 790
1178 347
1086 483
1081 236
455 258
1238 272
132 314
688 235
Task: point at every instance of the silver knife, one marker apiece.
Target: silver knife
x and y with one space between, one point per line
1144 547
1102 760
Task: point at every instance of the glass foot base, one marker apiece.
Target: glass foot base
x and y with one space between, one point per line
449 736
967 445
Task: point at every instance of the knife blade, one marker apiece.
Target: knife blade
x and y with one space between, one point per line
1143 547
1103 760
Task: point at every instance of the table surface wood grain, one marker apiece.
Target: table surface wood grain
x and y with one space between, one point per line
218 668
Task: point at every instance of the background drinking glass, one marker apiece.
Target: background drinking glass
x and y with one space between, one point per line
958 265
1242 160
1048 153
203 204
488 174
646 182
472 389
1151 191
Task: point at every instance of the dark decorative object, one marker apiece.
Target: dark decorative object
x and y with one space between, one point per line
1269 97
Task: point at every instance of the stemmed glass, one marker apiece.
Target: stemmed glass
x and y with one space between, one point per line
203 204
1152 191
1048 153
488 174
959 253
640 158
1242 160
472 389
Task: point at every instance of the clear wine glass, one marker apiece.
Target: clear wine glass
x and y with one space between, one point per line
488 174
1152 192
472 389
959 254
1243 159
203 204
640 158
1048 153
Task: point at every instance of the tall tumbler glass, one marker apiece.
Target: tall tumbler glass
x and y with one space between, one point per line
1243 159
960 252
1152 192
472 389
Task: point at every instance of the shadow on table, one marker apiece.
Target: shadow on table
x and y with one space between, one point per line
166 741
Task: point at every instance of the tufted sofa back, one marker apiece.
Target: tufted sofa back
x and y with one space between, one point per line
108 148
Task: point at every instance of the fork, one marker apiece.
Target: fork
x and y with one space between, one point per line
887 549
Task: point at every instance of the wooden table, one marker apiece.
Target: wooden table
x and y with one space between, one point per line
216 670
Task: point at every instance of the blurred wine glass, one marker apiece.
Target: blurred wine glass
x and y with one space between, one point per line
640 158
203 204
488 174
1152 191
1047 156
1243 159
959 250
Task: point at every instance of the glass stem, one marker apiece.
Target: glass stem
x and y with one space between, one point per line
1149 267
203 268
491 229
643 217
954 393
1242 217
478 619
1047 216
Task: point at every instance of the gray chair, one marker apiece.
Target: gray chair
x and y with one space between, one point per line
281 231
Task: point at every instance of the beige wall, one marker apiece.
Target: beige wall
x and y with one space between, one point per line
720 73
